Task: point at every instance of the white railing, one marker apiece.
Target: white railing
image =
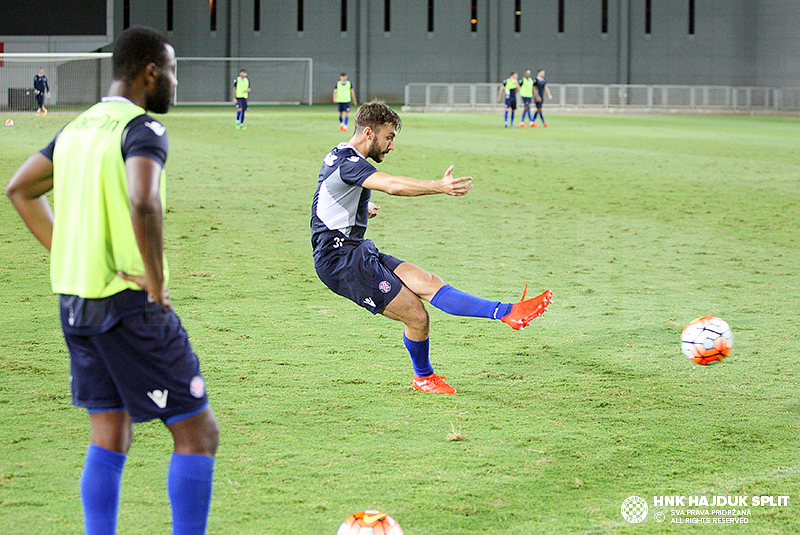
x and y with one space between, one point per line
648 97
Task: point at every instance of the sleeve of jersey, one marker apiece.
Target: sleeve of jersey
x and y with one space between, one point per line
146 137
356 170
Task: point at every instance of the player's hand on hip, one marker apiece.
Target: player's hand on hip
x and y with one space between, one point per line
154 294
456 186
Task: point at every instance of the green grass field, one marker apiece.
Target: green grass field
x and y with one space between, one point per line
638 224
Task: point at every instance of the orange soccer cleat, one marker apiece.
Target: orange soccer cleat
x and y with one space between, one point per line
524 312
544 124
433 383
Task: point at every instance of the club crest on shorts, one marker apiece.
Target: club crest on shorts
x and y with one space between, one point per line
197 387
385 287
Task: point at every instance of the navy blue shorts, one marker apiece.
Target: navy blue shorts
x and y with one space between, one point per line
355 269
511 102
241 104
343 106
143 364
526 101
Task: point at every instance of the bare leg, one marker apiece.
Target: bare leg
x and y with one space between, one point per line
111 430
407 305
198 435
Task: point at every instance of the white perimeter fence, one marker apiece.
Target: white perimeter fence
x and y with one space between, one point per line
635 97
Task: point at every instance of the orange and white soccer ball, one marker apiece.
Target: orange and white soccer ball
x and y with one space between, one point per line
9 122
369 523
707 340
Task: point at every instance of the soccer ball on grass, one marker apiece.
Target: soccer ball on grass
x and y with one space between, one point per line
369 523
707 340
9 122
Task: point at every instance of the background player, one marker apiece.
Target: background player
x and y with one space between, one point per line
526 92
343 95
241 88
509 86
540 84
40 88
130 358
352 266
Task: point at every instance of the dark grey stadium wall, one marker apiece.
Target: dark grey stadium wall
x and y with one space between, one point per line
736 42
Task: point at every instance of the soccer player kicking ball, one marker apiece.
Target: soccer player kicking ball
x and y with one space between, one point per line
131 360
352 266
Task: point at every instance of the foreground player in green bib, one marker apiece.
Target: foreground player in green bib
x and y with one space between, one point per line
130 357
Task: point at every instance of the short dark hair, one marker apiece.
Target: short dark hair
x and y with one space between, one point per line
137 47
376 114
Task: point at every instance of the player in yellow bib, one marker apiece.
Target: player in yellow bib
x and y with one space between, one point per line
130 358
509 87
241 88
343 95
526 92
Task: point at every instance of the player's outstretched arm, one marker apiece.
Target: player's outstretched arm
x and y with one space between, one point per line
27 189
404 186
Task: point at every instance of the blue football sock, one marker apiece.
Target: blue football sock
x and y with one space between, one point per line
505 117
458 303
100 485
242 119
419 352
534 117
346 119
542 117
512 118
189 484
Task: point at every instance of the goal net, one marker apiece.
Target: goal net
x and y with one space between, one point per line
272 80
76 81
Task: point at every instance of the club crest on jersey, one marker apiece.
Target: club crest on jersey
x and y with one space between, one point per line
385 287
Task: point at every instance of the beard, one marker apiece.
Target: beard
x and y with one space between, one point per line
374 152
159 100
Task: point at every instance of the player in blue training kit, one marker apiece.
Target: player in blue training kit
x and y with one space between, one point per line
509 87
540 88
130 357
40 87
353 267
